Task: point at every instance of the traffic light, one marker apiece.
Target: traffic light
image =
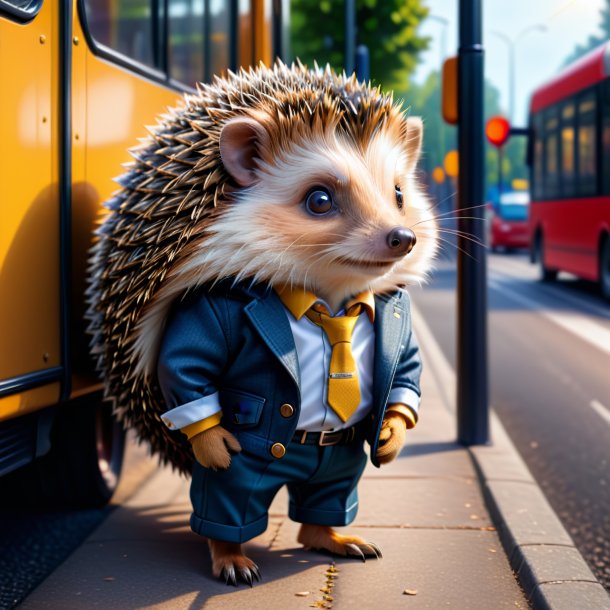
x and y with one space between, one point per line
497 131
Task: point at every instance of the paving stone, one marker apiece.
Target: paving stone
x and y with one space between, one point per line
437 568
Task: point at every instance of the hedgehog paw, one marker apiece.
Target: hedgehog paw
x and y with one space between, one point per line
231 565
320 537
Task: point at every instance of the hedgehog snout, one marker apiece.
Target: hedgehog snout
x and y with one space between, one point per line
400 241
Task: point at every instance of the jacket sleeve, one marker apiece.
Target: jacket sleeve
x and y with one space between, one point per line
406 385
194 352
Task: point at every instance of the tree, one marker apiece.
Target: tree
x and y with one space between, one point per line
594 41
387 27
439 138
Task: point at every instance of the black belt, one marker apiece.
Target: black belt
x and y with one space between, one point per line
328 438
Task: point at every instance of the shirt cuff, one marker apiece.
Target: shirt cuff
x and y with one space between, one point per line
405 396
191 412
201 426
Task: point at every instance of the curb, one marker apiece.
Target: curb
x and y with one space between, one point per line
551 570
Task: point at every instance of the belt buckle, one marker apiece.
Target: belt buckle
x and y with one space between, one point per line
333 440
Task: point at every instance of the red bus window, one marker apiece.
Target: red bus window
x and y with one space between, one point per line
538 157
568 141
587 158
186 41
551 150
606 137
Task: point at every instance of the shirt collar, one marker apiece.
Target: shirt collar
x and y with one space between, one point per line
299 300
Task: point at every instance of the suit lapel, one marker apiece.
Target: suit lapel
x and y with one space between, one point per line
268 316
390 319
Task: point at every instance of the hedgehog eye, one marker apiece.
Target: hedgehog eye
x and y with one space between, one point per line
399 198
318 201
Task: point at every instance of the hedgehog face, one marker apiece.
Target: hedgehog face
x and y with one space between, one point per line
327 212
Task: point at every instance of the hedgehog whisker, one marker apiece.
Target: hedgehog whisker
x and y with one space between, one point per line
463 235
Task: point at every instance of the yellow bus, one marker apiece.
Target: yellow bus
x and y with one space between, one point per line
79 80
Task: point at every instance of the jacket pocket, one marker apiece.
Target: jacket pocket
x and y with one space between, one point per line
243 408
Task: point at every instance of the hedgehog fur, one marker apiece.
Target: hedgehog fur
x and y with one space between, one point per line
157 240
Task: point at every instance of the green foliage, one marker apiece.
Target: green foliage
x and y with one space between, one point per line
594 41
387 27
439 138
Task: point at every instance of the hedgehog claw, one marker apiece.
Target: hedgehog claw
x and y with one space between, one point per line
353 549
228 572
376 549
246 576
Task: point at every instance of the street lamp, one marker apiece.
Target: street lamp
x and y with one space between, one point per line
445 23
511 44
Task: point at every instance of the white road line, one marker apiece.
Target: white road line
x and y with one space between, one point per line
577 324
556 292
602 411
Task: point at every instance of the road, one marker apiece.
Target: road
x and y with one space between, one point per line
549 355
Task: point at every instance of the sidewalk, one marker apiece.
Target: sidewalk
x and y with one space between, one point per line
426 511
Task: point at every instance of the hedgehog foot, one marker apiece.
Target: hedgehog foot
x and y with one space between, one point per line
320 537
230 564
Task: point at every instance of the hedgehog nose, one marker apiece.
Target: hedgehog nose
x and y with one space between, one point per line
401 241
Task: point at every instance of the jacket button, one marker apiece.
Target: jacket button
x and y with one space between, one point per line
286 410
278 450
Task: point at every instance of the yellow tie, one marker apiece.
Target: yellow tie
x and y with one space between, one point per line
343 385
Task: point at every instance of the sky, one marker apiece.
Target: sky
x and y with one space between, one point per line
548 31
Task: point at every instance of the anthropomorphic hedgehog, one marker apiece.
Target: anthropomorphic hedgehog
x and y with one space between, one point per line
246 294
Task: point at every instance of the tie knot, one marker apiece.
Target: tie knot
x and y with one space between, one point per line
338 329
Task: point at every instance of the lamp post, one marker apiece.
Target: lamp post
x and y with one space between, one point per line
445 23
511 43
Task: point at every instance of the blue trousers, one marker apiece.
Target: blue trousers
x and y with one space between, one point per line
232 505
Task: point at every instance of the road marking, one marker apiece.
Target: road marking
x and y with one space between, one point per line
602 411
558 292
577 324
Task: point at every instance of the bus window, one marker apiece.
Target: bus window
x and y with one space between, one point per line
551 146
220 37
568 164
606 137
186 41
124 26
538 157
587 174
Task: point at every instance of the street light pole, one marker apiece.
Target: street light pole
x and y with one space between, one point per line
472 374
511 44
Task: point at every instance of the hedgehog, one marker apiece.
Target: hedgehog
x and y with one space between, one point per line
268 179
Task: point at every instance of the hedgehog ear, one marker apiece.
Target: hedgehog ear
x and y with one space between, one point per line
241 141
413 142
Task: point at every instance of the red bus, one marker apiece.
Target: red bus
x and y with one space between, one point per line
570 171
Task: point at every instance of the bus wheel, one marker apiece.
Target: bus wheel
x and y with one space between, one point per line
545 274
82 468
604 267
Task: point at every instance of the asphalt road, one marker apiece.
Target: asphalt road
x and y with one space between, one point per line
549 356
34 542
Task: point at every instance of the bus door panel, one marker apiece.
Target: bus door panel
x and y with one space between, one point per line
29 209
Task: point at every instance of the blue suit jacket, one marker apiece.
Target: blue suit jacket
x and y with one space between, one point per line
236 340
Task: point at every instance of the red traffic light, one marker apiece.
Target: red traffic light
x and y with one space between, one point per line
497 130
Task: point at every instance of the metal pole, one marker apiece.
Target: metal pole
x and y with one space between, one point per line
472 383
363 63
350 35
500 176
